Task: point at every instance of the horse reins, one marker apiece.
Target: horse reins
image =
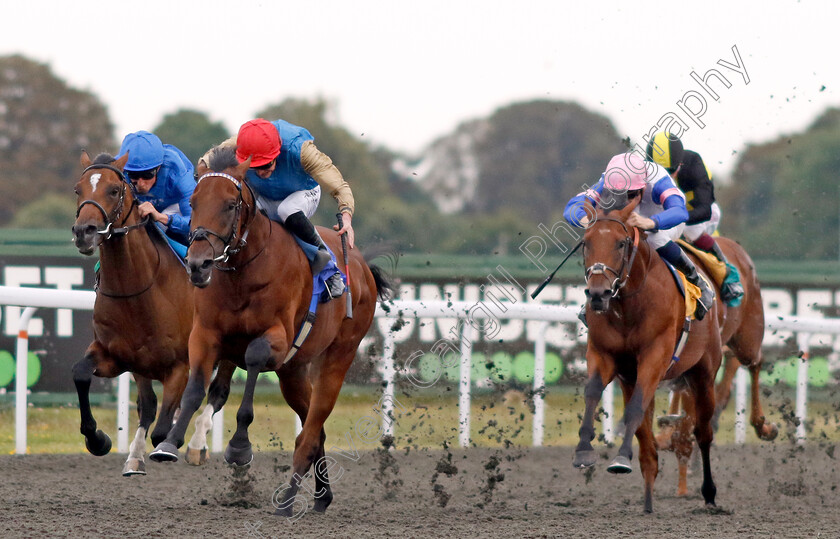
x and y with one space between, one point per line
230 248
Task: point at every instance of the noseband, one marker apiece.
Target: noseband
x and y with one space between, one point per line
109 229
231 245
627 257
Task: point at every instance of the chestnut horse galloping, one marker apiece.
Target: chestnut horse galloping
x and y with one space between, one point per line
254 291
742 331
143 311
636 316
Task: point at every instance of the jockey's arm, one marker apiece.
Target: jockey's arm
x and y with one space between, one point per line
180 222
321 168
318 165
674 214
701 204
694 177
575 213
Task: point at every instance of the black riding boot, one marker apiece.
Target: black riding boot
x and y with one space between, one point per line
299 225
707 296
729 290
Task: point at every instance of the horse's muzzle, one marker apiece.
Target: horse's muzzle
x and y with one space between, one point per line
599 298
200 271
85 238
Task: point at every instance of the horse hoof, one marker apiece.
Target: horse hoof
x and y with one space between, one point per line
287 512
320 505
165 452
134 467
99 445
769 432
196 457
585 459
620 465
239 456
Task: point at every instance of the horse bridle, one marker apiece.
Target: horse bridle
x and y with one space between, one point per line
627 258
231 245
109 229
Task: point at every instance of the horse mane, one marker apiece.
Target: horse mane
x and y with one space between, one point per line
103 158
221 158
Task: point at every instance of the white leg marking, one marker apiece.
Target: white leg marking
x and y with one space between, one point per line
203 424
138 447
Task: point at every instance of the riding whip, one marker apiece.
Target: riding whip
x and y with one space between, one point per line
550 277
346 264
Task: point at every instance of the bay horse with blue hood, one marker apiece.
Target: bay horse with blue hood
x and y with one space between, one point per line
254 295
142 315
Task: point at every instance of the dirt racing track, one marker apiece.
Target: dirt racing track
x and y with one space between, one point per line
767 490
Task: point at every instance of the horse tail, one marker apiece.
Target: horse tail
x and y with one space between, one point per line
384 285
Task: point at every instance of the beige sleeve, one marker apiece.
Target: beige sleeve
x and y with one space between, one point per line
321 168
224 144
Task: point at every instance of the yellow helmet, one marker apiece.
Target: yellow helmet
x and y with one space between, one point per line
665 149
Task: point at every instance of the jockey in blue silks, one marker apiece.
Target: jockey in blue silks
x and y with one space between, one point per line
164 181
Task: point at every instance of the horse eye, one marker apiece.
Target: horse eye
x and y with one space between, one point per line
115 192
231 206
76 190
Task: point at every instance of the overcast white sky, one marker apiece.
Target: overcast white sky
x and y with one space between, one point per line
404 73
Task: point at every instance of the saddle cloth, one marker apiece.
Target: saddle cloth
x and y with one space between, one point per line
690 292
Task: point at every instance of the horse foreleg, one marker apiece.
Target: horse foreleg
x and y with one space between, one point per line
97 442
203 352
637 399
585 456
648 457
197 450
173 391
257 355
135 463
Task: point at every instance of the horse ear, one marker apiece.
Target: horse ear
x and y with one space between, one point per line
84 159
201 169
120 163
242 169
632 204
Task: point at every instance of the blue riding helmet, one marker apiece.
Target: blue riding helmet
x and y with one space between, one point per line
145 151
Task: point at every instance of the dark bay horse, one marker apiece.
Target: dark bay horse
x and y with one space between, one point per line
254 290
636 316
143 311
742 331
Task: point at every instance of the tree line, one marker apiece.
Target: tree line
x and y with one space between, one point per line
482 189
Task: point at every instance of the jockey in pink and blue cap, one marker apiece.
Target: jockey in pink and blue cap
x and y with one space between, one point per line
661 212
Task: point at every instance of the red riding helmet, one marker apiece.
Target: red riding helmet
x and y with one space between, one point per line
259 140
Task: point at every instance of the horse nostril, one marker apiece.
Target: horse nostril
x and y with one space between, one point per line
206 264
